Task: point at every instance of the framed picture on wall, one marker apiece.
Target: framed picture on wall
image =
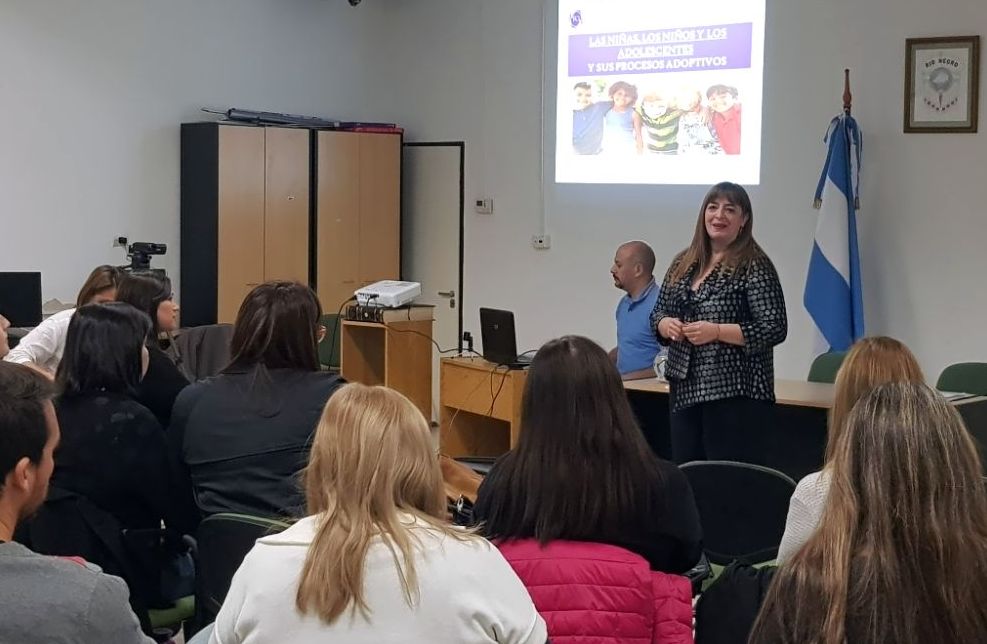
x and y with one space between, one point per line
941 84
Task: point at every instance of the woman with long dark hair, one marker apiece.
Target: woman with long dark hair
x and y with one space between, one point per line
243 436
113 450
900 554
582 470
721 311
151 294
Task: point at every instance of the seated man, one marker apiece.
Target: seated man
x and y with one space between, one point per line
46 599
637 346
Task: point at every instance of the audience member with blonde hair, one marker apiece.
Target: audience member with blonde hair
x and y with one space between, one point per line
869 363
43 346
376 560
900 554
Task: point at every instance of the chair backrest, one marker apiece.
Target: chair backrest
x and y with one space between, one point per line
205 350
329 348
223 540
965 377
742 509
825 366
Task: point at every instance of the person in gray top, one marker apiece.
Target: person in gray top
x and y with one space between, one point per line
46 599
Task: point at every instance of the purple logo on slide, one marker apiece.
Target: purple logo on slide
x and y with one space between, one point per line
576 18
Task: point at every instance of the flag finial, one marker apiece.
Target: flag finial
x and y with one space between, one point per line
847 97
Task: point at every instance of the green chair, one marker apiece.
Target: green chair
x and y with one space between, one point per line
172 618
223 540
825 366
964 377
329 348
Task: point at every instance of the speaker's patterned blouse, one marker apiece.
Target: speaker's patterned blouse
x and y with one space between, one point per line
751 297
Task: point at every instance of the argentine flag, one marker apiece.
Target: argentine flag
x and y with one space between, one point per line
832 287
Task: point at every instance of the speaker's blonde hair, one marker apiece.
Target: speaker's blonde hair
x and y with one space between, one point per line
372 468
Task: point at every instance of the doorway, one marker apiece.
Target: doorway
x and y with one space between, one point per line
433 203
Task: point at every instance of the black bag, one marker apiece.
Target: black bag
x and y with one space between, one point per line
461 511
726 612
163 561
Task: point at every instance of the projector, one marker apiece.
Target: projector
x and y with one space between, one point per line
388 293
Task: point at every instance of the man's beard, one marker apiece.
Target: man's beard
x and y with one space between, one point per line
32 507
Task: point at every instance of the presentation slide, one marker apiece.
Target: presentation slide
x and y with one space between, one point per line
659 92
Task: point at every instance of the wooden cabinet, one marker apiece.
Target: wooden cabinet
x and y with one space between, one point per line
358 213
239 212
286 204
264 203
397 355
245 214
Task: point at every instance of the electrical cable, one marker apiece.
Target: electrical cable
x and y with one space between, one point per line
336 325
495 396
432 340
470 395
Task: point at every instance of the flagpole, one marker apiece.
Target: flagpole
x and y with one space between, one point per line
847 101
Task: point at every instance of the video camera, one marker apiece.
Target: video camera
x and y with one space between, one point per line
139 254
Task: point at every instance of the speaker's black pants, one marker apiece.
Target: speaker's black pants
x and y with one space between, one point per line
720 430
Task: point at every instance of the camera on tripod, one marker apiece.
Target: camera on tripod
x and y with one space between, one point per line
140 253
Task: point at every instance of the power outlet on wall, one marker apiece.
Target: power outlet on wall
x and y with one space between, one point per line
484 206
541 242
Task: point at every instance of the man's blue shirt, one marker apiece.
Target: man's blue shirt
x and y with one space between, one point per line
637 345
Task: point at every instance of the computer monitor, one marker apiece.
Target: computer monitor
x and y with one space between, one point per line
20 298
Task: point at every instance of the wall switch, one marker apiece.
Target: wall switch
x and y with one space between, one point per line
541 242
484 206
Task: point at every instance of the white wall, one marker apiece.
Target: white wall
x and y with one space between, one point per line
473 71
93 94
92 97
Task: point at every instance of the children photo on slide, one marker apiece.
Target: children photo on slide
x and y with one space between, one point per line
622 119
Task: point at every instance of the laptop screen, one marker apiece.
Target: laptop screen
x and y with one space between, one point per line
498 336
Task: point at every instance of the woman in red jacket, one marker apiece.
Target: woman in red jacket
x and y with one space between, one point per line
582 470
581 481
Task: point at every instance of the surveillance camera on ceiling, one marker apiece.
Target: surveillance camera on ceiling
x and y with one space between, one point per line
353 3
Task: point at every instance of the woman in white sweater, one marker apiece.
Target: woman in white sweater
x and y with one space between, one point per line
869 363
376 561
43 346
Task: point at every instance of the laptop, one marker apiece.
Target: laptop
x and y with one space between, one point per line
20 298
499 339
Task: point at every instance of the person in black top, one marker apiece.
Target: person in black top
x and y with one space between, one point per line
721 311
241 438
45 599
151 293
582 470
113 450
